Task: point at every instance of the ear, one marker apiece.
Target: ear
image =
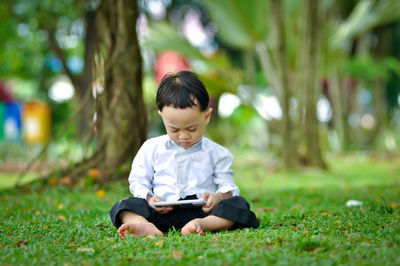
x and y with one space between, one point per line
208 115
159 112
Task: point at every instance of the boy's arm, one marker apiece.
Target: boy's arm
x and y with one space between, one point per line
151 199
223 175
214 199
142 171
223 178
226 195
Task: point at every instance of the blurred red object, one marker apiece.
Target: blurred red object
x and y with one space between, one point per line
169 62
5 96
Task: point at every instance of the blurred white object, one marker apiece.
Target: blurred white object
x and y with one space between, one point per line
351 203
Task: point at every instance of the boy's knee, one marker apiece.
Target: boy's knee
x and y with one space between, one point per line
130 204
237 201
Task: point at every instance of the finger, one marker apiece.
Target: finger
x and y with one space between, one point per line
163 210
156 199
209 206
209 202
158 209
205 195
206 209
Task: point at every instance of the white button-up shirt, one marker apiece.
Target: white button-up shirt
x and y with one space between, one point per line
163 168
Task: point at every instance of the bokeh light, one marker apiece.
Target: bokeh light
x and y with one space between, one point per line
268 107
61 90
228 102
324 110
367 121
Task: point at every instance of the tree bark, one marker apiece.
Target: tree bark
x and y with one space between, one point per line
340 110
379 88
121 119
282 80
84 91
312 48
380 110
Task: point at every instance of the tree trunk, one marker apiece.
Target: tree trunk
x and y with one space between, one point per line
380 109
249 67
311 78
122 125
379 89
340 110
282 73
84 91
121 120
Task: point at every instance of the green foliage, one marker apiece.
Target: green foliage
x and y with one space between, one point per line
366 15
162 36
24 40
240 130
215 71
301 223
240 23
20 53
370 69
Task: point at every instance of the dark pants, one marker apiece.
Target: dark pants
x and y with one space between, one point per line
235 209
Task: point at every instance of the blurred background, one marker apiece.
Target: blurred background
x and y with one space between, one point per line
291 81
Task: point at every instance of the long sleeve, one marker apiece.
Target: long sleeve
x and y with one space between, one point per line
142 171
224 174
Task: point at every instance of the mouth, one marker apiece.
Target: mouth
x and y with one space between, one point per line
185 144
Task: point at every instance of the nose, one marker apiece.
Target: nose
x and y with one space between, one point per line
184 136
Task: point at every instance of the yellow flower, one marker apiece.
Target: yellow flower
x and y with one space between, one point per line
100 193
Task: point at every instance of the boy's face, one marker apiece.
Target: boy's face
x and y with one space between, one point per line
185 126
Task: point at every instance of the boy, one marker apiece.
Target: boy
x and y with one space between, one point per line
182 165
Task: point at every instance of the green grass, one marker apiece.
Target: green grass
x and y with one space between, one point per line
304 221
7 180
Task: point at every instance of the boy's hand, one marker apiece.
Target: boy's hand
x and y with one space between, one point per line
213 200
160 210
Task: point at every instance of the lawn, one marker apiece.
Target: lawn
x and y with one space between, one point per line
304 217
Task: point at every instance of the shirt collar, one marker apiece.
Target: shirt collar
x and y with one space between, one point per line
170 144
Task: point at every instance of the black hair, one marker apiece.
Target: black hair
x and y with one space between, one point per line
182 89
